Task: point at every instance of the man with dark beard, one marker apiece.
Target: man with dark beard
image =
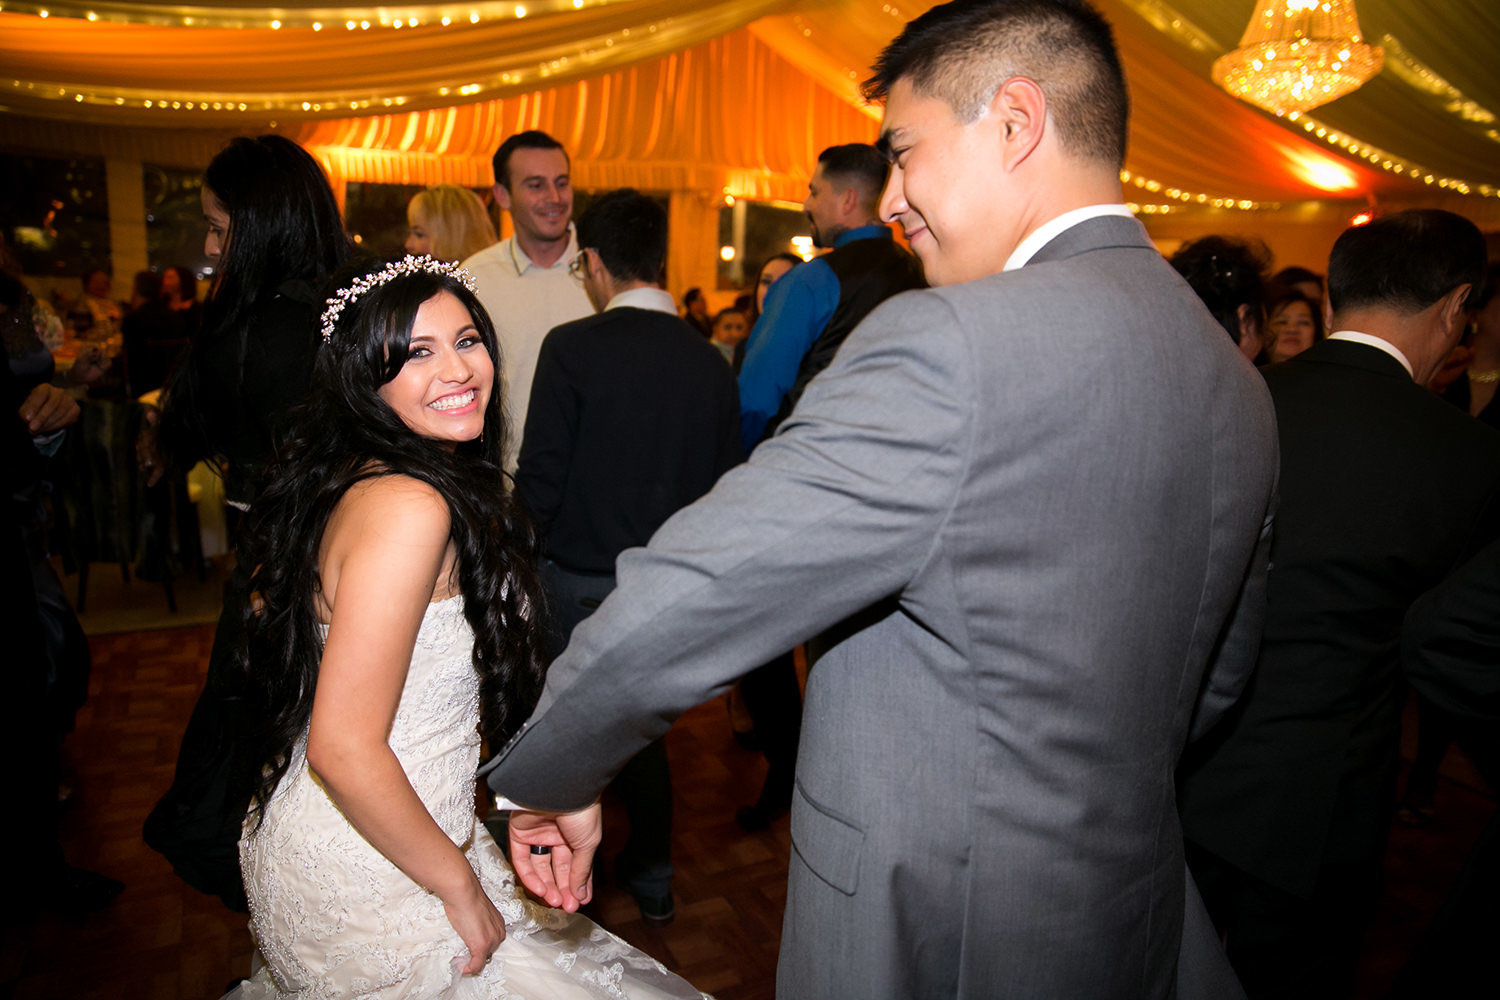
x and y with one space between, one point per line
808 315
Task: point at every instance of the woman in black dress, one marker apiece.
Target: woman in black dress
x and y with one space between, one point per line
275 233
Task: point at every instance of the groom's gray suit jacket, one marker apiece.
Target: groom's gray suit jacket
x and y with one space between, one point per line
1039 495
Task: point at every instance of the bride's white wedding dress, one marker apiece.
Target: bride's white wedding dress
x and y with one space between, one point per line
333 918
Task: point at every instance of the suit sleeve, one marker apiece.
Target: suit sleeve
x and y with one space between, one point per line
839 510
1238 648
547 442
1450 643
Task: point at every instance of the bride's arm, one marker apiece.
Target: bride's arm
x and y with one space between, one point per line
382 553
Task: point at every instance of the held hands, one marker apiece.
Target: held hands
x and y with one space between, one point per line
478 922
563 876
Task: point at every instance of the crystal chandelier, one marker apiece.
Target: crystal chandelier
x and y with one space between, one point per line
1298 54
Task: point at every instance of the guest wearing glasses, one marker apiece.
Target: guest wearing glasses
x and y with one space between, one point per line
632 416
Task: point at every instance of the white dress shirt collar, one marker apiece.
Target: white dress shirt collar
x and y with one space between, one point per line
523 263
655 299
1375 342
1044 233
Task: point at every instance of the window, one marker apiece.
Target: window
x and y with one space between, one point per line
375 216
174 218
55 214
755 231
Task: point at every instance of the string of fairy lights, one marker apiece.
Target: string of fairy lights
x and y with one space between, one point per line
1383 159
1186 199
436 16
349 18
586 51
1416 74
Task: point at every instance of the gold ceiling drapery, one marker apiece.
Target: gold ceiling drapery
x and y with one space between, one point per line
729 116
145 74
736 94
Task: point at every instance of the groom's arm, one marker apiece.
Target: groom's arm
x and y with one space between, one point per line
1238 650
839 510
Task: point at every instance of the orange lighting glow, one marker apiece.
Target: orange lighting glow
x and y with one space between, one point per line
1362 219
1322 172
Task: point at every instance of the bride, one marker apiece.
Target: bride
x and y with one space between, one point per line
391 622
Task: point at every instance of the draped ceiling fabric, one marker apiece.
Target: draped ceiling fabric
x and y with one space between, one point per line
103 71
729 116
729 96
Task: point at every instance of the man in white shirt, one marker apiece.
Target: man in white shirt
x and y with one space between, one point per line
523 280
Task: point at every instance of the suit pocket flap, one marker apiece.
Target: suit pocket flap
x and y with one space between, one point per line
828 845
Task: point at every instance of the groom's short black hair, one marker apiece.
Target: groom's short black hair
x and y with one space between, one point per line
963 51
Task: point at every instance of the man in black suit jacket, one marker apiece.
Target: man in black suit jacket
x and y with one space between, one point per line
1450 650
632 416
1384 490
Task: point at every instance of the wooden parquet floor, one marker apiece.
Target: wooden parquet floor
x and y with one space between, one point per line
163 941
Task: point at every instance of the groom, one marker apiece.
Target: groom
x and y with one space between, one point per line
1035 496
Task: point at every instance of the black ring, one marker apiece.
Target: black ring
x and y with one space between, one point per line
540 849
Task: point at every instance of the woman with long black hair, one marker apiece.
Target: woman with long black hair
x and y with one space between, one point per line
396 614
275 235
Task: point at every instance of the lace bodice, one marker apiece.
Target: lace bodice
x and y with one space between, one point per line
334 918
435 733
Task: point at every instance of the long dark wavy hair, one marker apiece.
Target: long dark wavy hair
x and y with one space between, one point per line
284 225
343 434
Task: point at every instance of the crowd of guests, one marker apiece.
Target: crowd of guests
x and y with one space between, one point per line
59 352
526 444
1386 487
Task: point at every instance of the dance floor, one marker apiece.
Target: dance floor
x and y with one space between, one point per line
162 941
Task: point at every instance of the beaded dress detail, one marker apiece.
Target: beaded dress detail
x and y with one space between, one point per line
332 917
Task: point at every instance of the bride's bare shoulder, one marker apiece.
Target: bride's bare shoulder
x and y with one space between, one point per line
389 498
390 521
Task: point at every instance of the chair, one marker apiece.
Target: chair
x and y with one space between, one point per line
104 510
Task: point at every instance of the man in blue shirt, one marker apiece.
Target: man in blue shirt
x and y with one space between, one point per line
811 310
808 313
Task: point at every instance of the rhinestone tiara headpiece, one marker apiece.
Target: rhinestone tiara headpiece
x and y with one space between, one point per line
334 307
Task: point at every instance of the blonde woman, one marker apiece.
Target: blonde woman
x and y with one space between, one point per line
448 223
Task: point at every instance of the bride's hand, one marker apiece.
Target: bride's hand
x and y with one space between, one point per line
479 924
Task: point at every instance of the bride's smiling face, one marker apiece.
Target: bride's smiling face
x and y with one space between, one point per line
443 389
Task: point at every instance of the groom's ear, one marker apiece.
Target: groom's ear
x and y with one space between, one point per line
1019 109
